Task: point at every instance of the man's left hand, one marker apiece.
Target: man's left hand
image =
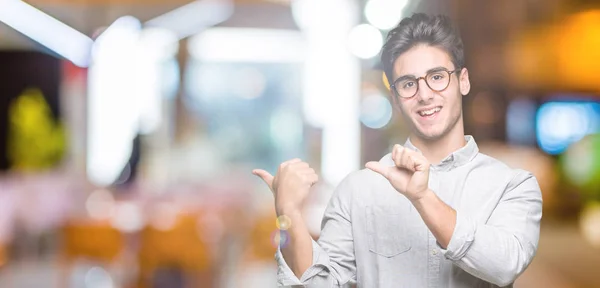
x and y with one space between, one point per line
409 176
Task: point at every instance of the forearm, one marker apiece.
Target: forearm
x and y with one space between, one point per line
297 251
497 251
498 256
438 216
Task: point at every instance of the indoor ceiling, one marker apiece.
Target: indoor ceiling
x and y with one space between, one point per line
87 16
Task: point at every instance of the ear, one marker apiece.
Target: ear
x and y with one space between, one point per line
463 82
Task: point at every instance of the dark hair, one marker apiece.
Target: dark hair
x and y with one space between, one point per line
420 28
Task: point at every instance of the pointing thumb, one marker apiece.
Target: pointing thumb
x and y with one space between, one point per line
265 176
377 168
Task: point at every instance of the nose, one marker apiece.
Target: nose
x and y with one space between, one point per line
425 93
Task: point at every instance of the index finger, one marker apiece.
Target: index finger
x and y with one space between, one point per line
397 155
413 161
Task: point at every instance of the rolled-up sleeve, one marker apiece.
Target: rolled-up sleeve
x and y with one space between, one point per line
500 249
285 276
462 238
333 254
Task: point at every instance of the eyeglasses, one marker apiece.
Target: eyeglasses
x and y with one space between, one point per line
407 87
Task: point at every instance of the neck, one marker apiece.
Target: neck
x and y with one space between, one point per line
436 150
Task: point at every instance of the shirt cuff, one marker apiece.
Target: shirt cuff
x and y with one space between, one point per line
285 275
461 240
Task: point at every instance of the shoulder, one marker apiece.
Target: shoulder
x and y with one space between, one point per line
489 167
488 164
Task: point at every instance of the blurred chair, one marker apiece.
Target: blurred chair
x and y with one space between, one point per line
178 247
97 241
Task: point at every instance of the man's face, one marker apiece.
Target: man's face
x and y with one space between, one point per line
431 114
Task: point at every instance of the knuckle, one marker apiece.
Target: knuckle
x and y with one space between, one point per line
303 178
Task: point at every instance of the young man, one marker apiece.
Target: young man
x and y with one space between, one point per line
432 213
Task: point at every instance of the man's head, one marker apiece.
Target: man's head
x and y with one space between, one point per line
428 47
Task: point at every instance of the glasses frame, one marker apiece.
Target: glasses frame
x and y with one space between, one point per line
418 80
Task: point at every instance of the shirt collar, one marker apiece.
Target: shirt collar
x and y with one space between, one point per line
457 158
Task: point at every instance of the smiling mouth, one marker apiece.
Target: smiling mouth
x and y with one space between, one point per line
429 112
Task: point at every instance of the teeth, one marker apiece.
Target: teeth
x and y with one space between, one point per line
429 112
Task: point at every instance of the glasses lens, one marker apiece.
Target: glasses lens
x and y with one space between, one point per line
406 88
438 81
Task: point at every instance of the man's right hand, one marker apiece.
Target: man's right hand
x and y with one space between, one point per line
290 185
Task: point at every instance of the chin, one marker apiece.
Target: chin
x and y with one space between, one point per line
431 134
434 132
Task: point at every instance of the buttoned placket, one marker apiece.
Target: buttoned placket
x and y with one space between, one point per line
433 255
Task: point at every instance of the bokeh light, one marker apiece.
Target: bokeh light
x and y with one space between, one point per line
375 111
283 222
365 41
164 216
581 165
590 223
280 238
319 15
559 124
97 277
385 14
100 205
128 217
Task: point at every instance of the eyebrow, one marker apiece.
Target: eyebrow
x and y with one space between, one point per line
412 77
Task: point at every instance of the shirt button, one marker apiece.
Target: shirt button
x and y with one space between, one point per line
434 252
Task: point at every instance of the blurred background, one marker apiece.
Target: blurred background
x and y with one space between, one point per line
129 129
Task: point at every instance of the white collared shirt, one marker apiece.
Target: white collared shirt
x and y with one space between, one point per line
372 235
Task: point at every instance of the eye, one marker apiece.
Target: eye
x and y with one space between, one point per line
408 84
437 77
